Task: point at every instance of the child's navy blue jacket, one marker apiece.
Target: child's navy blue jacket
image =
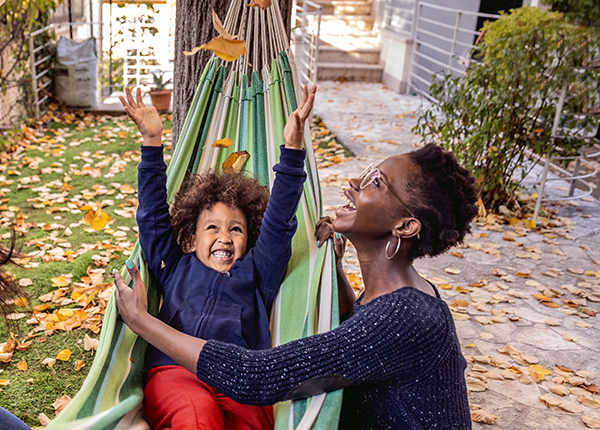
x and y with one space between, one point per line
233 306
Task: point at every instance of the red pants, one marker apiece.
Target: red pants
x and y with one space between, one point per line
175 399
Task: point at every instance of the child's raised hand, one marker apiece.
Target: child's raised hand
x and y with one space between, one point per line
147 120
324 231
293 133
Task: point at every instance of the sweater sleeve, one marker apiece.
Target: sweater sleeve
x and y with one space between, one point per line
154 222
400 341
273 247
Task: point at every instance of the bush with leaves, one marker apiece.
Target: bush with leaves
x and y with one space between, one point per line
582 12
501 111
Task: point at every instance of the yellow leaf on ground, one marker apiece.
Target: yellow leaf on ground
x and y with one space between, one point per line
540 371
559 390
591 422
78 365
570 407
21 301
4 382
222 143
550 399
64 355
44 420
22 366
567 336
60 281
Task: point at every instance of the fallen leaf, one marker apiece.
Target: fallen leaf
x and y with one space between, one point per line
25 282
78 365
49 362
588 402
60 403
481 416
64 355
452 271
591 422
4 382
44 420
568 337
587 374
550 399
456 316
60 281
235 162
559 390
22 366
583 324
89 343
486 335
474 384
570 407
553 322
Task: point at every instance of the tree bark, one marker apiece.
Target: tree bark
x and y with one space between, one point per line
193 27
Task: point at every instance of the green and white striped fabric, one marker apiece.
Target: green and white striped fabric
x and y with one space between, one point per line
251 111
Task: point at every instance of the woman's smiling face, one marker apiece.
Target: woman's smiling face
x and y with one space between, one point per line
221 236
372 211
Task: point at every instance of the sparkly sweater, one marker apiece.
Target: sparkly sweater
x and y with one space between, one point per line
397 357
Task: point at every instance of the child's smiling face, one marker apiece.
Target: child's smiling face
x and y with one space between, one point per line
221 236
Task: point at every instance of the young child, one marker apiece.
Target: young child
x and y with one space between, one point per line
218 275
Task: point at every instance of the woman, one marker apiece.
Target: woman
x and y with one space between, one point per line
397 353
9 291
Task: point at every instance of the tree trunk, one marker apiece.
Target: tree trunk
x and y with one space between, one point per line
194 28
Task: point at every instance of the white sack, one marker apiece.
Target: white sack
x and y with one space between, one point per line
75 77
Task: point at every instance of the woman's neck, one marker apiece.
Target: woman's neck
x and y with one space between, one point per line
382 276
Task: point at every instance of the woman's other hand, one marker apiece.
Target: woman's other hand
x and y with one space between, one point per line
324 231
293 133
147 120
132 303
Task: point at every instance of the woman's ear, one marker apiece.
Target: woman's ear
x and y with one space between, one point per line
408 228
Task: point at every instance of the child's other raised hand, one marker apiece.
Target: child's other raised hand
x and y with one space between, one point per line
293 133
147 120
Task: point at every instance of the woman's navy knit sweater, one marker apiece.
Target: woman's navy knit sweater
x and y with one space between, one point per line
398 357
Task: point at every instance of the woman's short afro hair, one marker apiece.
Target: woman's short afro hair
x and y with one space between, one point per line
443 198
203 191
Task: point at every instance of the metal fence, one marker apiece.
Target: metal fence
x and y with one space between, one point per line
443 39
306 30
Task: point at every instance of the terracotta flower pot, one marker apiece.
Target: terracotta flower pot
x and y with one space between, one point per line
161 100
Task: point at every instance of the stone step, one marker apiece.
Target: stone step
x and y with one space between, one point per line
344 7
333 54
349 72
346 24
350 42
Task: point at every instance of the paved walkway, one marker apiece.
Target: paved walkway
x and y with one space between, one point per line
491 280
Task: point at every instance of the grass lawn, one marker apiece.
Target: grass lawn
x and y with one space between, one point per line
54 177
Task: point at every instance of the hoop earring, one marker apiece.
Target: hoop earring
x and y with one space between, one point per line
387 249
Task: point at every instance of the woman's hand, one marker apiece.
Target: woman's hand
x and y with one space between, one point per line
133 308
147 120
324 231
293 133
132 303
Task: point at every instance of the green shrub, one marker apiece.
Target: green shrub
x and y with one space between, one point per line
502 110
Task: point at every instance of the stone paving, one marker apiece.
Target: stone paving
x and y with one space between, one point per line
492 279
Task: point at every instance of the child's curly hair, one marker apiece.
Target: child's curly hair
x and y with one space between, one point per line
443 197
202 191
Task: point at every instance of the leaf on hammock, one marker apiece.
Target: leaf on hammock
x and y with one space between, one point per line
222 143
263 4
235 162
220 28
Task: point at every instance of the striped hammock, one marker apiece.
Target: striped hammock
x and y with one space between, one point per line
250 110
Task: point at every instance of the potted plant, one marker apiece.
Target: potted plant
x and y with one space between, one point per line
161 96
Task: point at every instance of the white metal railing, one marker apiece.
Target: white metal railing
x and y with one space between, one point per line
40 68
443 38
306 31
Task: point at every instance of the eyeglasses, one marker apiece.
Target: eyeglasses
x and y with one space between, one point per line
370 175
